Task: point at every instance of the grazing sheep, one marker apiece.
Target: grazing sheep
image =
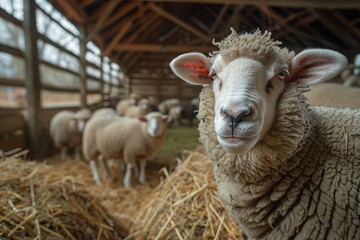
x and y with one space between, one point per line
284 169
175 114
124 138
165 105
66 131
334 95
189 111
140 110
122 105
104 112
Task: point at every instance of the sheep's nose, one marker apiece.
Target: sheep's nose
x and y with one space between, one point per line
236 117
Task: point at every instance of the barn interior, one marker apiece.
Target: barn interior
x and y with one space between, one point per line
58 55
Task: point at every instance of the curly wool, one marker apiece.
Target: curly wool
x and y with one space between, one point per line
258 46
301 181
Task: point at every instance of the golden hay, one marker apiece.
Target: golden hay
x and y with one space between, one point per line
185 205
59 200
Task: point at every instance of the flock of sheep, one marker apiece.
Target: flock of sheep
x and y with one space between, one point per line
284 168
131 134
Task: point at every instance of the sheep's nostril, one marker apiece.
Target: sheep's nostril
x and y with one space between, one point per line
242 114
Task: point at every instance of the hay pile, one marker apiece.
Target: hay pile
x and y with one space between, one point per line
185 205
40 201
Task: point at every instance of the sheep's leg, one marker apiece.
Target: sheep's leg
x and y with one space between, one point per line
105 166
127 178
63 153
78 153
142 176
136 169
122 165
95 172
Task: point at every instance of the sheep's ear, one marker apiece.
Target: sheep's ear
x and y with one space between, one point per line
142 119
166 118
316 65
192 68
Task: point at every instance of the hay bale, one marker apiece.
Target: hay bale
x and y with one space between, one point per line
185 205
40 201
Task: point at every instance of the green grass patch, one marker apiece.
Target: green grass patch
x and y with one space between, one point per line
178 139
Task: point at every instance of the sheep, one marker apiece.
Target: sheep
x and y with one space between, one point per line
66 131
104 112
165 105
175 114
122 105
189 110
284 169
349 79
334 95
140 110
129 139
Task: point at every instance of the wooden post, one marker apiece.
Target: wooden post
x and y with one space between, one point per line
82 72
102 78
35 131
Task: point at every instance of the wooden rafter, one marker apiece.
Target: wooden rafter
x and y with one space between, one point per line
162 48
117 37
219 18
104 16
179 22
335 27
85 3
122 11
278 19
329 4
341 18
72 10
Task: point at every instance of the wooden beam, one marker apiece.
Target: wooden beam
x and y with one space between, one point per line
12 82
35 131
10 18
122 11
301 22
346 23
72 10
219 18
85 3
117 37
11 50
162 48
179 22
329 4
82 68
103 16
338 29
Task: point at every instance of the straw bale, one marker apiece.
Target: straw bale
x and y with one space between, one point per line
52 201
185 205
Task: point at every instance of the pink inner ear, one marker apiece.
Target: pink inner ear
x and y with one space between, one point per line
198 70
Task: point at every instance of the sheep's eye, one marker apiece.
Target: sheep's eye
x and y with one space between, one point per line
212 73
282 75
268 86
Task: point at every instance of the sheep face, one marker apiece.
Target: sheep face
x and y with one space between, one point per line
246 91
156 124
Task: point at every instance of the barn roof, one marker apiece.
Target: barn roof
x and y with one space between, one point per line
143 36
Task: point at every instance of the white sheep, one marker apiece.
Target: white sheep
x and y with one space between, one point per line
175 114
104 112
165 105
66 129
128 139
140 110
349 79
334 95
284 169
122 105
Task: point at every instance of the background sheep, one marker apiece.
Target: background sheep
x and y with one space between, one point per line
189 110
349 79
175 114
165 105
140 110
128 139
334 95
284 169
104 112
122 105
66 131
90 140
